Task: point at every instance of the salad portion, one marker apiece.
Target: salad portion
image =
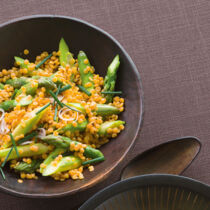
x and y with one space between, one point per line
56 113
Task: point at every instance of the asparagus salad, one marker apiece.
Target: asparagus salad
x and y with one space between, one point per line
56 113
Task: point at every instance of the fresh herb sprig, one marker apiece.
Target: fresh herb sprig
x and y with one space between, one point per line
112 92
95 160
43 61
72 108
56 94
13 95
14 144
28 137
65 88
83 89
6 158
56 111
43 108
55 98
2 173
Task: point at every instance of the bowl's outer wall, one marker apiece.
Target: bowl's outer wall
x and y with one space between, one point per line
43 34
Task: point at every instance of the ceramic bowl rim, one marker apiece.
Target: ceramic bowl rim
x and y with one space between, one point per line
145 180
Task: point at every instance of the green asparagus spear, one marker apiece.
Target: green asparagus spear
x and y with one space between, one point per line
26 138
105 110
1 86
24 151
69 127
57 141
18 82
47 83
59 80
65 164
52 156
10 104
93 153
65 55
25 101
101 109
42 82
20 62
110 79
64 142
111 124
30 124
30 89
28 167
85 77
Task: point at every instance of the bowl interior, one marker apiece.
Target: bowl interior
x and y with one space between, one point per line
40 34
156 197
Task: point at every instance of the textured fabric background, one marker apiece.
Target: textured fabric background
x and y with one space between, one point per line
169 41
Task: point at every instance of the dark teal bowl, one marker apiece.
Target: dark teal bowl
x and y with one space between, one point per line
152 192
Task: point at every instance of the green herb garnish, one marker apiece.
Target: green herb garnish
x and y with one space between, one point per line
43 61
55 97
6 158
95 160
58 90
65 88
111 92
28 137
83 89
35 140
13 95
14 145
72 108
55 114
43 108
2 173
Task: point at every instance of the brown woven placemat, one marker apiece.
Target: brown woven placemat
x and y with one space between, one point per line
169 42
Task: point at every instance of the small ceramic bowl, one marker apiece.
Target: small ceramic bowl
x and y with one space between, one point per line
152 192
42 33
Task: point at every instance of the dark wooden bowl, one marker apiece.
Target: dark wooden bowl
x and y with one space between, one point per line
152 192
42 33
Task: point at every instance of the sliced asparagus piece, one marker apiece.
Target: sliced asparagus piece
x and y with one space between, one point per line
65 164
25 151
28 167
111 77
